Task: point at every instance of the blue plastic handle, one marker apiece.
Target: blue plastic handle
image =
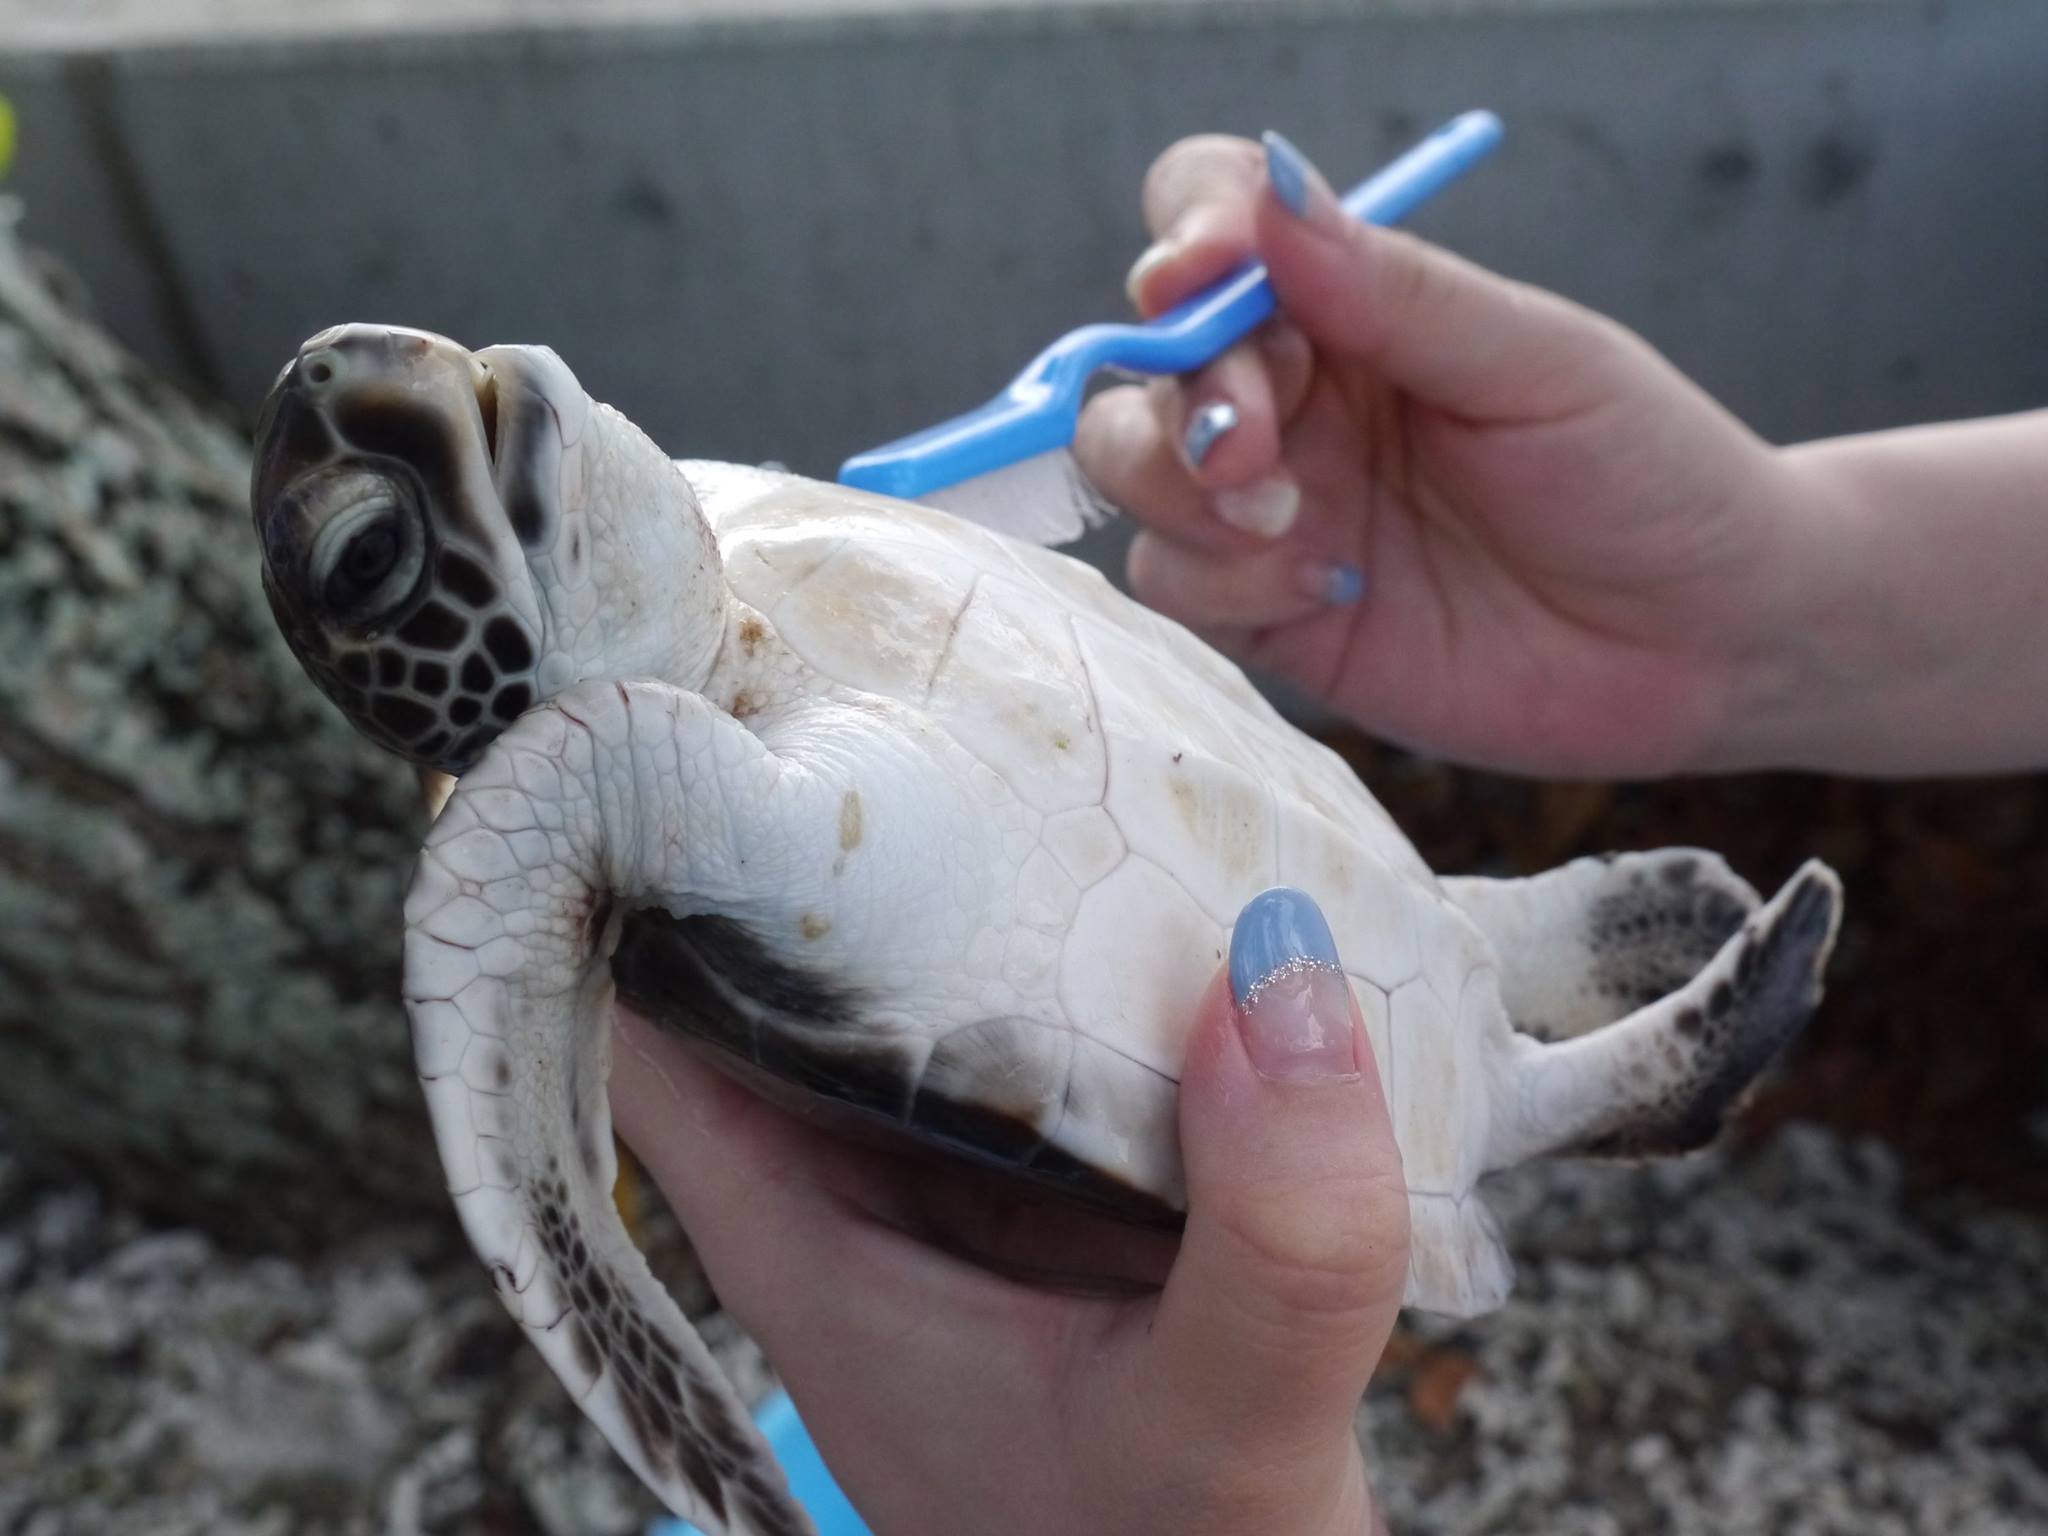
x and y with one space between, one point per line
1039 410
809 1478
1201 329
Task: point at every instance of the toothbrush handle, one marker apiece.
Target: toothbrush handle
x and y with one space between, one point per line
1202 328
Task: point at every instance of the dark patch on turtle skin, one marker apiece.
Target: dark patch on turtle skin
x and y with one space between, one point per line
465 710
508 645
682 1425
675 968
430 678
530 438
465 580
1649 939
416 437
712 980
477 675
435 627
407 717
1776 987
512 702
355 668
390 667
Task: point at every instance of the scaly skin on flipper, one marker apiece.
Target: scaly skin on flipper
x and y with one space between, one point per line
1584 944
510 997
888 811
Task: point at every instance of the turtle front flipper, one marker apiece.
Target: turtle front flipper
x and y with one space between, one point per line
1664 1079
509 923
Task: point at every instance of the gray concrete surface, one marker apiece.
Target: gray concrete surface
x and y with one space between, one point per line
790 238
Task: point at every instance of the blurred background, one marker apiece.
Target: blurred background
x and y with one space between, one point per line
230 1299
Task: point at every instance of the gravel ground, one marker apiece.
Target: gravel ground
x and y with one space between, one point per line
1773 1342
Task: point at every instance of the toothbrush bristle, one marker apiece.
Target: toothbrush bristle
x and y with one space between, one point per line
1041 500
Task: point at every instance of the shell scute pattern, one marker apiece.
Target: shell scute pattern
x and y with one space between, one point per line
1420 1039
1138 908
1157 807
1011 688
905 602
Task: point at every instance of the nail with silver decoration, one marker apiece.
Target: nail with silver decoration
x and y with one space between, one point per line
1205 427
1293 1000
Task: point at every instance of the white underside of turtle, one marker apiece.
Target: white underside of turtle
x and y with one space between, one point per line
893 810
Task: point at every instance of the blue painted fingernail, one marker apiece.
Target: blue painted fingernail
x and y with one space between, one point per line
1205 427
1337 585
1278 929
1293 999
1289 171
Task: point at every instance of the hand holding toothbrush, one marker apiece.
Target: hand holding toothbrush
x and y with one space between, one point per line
1470 514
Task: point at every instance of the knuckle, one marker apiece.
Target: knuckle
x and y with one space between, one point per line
1199 168
1109 423
1146 567
1333 1257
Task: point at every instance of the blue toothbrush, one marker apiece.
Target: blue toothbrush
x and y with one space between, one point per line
1006 463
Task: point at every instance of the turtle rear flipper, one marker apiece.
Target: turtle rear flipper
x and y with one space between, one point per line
1663 1080
1591 941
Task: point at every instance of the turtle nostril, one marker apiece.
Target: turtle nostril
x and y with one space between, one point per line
318 369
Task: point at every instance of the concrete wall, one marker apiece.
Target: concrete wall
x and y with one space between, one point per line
792 239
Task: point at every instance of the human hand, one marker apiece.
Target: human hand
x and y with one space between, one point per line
949 1398
1471 515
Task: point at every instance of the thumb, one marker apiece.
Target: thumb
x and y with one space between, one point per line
1448 331
1296 1251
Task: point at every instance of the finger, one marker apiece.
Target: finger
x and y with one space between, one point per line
1226 421
729 1162
771 1201
1134 444
1131 455
1290 366
1198 200
1453 333
1295 1257
1235 591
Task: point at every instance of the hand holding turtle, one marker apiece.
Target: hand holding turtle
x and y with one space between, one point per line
1470 514
949 1398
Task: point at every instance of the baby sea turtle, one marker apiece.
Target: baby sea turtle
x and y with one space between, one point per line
886 809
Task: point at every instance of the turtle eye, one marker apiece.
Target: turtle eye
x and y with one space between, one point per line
369 556
367 559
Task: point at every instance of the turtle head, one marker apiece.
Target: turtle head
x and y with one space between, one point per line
428 547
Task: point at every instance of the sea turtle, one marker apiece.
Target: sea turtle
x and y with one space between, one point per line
886 809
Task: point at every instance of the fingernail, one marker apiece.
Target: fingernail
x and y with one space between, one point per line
1288 169
1266 507
1338 585
1293 1001
1205 427
1154 256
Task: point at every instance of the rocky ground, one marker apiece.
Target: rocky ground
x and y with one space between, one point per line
1781 1340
